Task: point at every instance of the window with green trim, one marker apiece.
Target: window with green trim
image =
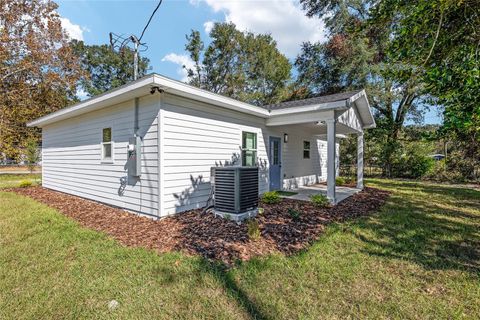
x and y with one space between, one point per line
249 149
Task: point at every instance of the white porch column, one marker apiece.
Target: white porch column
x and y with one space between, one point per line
360 161
331 159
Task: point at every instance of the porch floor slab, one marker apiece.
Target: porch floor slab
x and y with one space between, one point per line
304 193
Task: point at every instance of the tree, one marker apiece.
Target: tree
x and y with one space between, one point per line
239 64
442 38
358 55
38 70
105 68
31 153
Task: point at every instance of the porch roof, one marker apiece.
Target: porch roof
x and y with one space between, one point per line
350 108
313 101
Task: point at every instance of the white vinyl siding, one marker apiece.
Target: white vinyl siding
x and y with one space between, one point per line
72 156
192 138
197 137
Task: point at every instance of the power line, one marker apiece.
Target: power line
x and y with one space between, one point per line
120 42
149 20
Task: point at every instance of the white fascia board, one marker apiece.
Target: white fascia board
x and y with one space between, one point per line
118 95
184 90
300 117
336 105
363 95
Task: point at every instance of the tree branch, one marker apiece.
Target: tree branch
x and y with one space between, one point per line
436 37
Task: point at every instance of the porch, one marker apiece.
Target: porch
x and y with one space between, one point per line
326 118
304 193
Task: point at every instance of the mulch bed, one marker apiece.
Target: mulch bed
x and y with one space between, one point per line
212 237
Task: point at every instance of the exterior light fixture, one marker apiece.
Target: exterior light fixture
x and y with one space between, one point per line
285 137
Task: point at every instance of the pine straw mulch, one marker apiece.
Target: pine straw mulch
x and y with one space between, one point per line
204 234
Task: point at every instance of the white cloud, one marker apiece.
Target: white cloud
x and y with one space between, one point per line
74 31
283 19
181 60
208 26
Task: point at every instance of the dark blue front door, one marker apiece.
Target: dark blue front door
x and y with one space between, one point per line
275 157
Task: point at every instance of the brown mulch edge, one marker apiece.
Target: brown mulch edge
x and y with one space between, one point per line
212 237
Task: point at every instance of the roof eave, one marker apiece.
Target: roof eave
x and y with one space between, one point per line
188 91
118 95
336 105
363 95
137 88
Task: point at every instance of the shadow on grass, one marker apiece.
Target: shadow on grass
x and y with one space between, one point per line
220 272
420 229
450 190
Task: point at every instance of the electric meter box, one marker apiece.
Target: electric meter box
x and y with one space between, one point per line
135 156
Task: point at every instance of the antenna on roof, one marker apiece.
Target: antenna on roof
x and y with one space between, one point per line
119 42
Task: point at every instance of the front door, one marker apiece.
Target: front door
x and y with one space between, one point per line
275 157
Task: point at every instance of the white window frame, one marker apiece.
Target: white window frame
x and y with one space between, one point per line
102 146
306 149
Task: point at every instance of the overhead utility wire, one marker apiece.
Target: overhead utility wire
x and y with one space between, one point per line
149 20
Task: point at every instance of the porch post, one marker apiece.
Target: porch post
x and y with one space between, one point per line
331 159
360 161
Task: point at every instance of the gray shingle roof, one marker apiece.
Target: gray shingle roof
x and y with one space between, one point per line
312 101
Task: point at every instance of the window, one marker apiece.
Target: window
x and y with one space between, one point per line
275 152
107 144
249 149
306 149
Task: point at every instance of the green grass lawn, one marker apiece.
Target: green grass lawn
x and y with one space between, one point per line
13 180
419 257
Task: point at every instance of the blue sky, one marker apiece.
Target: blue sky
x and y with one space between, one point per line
92 20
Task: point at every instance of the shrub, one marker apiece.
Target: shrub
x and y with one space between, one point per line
319 200
339 180
414 162
440 172
350 180
344 180
253 229
294 214
271 197
25 183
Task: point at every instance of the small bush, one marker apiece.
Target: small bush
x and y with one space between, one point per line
253 229
271 197
25 183
414 162
340 181
440 172
350 180
319 200
344 180
294 214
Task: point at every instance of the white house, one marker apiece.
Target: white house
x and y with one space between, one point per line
183 131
